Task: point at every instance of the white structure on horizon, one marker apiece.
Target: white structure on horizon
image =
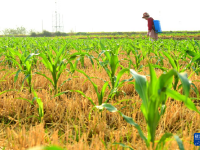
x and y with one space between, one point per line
57 20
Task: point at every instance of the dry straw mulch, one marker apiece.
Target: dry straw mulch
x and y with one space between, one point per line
66 121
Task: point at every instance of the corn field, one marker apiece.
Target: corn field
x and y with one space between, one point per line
99 94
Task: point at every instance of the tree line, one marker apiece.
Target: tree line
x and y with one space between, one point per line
22 31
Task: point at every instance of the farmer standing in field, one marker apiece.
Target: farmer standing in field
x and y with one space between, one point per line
151 29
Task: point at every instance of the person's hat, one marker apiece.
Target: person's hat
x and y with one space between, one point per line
145 15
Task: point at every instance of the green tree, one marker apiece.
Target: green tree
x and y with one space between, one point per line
19 30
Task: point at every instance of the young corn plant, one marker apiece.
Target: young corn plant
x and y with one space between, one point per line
40 105
7 74
78 48
56 64
175 64
111 63
25 66
154 95
100 95
9 56
195 57
138 58
160 61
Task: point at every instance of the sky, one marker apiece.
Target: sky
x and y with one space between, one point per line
100 15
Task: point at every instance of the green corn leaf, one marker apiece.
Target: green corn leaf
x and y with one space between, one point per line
196 70
106 69
65 81
5 91
153 119
180 144
195 89
82 61
120 74
75 55
76 62
165 80
191 53
114 63
73 66
185 83
94 85
84 96
161 142
19 65
102 52
49 55
153 81
130 121
126 80
90 57
41 111
177 96
61 51
25 79
102 46
108 55
124 100
163 108
65 92
28 66
160 67
60 71
123 145
141 87
29 56
53 148
197 44
171 61
26 100
40 104
13 53
46 62
74 46
196 58
16 75
144 111
72 57
104 143
45 77
102 92
109 107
